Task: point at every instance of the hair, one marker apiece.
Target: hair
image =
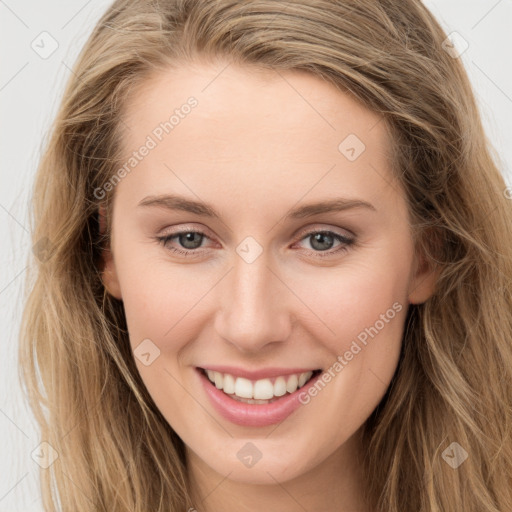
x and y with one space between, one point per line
453 383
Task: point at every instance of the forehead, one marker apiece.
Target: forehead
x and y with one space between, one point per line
251 128
256 98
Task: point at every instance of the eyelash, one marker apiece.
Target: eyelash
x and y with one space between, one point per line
347 242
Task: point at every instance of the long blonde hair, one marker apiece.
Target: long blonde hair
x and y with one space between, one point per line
116 452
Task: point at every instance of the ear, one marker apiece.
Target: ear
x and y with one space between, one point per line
108 271
424 278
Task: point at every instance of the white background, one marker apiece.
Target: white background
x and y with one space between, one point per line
30 90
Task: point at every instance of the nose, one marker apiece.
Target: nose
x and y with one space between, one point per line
254 308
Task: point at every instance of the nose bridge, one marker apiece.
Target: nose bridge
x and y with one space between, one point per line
252 310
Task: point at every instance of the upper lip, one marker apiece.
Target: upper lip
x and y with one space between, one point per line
263 373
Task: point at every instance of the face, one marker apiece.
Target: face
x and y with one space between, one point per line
254 285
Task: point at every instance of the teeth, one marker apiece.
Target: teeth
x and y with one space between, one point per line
292 383
243 388
262 389
218 380
280 386
302 379
229 384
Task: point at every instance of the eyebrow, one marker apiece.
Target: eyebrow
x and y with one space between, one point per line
174 202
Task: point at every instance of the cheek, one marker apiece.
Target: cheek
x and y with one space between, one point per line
157 316
364 305
348 300
156 292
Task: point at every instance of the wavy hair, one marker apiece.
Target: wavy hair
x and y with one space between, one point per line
453 382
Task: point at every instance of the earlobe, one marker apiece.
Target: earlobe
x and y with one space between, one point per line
109 275
424 280
108 270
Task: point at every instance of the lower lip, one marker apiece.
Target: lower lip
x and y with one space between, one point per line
254 415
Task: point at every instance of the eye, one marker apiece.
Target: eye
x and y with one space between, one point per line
321 242
189 239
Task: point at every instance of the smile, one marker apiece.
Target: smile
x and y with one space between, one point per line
261 391
255 403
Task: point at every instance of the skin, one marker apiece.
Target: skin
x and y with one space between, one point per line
258 144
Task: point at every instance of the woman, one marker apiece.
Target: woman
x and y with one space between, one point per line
198 345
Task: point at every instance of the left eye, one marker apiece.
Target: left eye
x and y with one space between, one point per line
321 241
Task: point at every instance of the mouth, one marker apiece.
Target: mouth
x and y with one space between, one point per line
258 392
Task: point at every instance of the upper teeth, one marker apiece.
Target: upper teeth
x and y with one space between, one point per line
262 389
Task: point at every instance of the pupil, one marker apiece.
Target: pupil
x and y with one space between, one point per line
189 238
320 237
